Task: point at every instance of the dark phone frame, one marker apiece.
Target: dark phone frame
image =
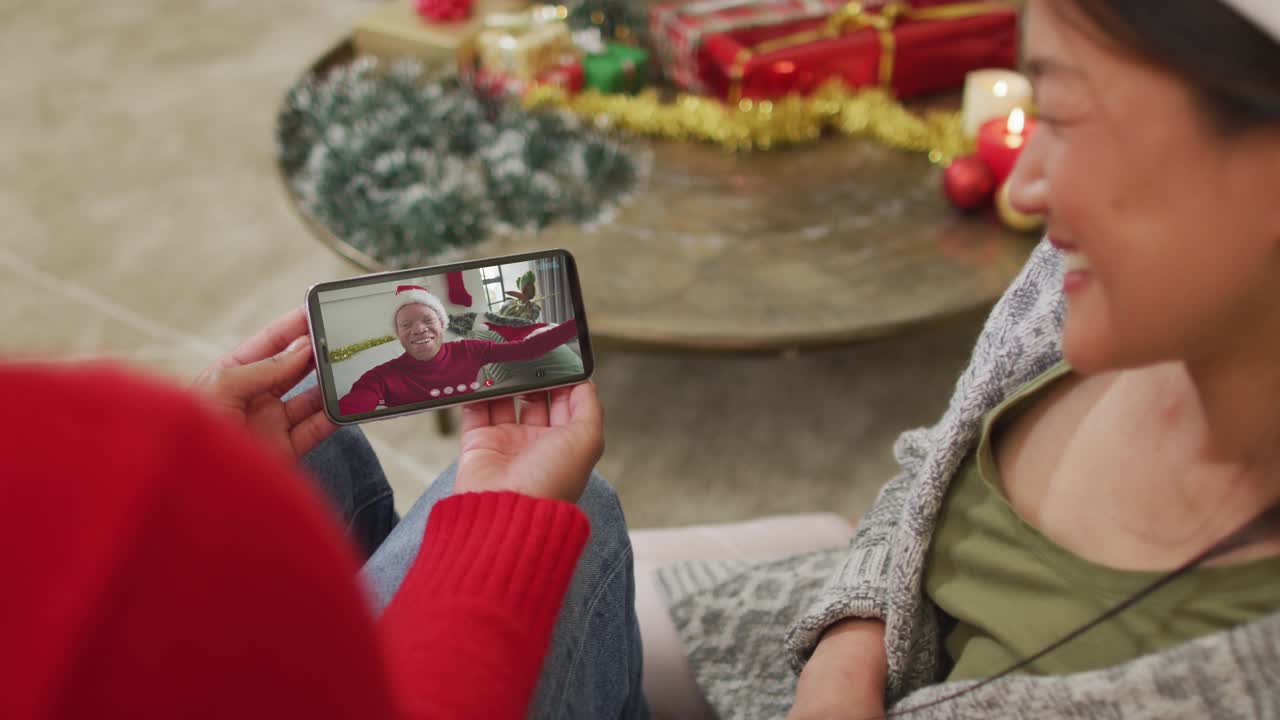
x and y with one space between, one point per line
324 368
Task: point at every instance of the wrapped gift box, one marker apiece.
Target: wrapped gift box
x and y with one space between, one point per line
568 76
395 30
911 51
619 69
525 45
786 46
678 28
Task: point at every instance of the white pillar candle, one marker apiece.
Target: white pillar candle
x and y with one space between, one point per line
993 93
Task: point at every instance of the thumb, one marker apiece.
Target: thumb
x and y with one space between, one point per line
275 374
587 419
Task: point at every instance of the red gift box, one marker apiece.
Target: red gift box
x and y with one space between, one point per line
679 27
913 49
568 76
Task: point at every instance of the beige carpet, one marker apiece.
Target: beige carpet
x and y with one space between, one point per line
141 219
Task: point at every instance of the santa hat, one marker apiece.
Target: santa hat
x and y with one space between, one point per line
417 295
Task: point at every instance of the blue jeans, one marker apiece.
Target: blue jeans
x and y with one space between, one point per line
592 670
348 471
351 476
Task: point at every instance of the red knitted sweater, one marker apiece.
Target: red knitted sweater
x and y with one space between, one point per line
452 371
159 563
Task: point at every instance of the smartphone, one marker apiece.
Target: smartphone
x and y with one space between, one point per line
408 341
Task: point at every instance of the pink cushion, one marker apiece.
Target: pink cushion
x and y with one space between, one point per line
668 680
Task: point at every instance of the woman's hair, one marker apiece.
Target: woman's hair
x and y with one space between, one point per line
1231 63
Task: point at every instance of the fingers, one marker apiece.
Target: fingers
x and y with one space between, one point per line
275 337
276 374
474 416
306 404
534 409
503 411
310 432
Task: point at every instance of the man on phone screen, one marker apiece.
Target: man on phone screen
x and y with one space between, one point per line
431 368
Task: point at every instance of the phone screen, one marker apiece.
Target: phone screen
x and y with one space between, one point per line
413 340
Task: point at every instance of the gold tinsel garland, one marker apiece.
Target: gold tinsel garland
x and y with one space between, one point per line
347 351
768 124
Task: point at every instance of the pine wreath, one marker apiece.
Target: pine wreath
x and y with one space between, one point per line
406 167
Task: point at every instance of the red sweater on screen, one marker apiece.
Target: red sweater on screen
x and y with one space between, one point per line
159 563
404 380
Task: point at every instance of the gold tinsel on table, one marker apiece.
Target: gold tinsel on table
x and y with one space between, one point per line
346 351
768 124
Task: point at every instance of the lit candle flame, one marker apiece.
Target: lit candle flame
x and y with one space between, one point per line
1017 121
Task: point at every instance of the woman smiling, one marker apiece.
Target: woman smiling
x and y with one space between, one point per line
430 368
1120 416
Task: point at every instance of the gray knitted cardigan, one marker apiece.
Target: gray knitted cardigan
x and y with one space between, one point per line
748 628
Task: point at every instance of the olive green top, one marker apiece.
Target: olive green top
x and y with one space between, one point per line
1012 591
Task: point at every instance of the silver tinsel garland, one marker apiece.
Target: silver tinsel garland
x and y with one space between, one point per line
408 168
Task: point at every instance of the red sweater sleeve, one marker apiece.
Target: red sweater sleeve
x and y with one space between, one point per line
533 347
364 395
467 631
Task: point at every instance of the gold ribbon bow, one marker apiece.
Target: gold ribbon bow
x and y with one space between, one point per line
855 17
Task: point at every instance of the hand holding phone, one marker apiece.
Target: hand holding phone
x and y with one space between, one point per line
249 382
402 342
549 451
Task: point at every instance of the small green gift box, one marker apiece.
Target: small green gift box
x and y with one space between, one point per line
619 69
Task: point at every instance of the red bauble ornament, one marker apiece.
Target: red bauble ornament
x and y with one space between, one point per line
445 10
968 182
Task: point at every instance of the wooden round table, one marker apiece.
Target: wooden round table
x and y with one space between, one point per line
839 241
